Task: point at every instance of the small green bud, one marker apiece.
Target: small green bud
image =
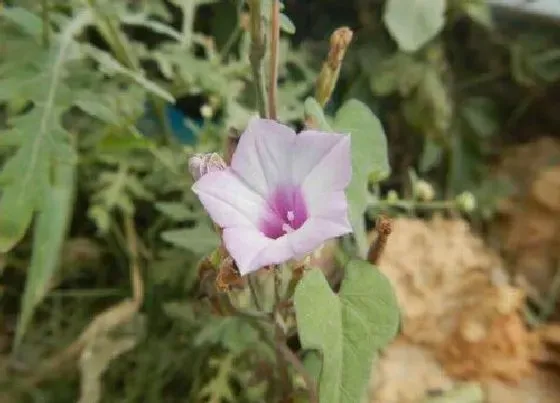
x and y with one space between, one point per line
392 196
424 191
466 202
206 111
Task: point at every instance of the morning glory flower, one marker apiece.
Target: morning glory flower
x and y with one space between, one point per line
282 196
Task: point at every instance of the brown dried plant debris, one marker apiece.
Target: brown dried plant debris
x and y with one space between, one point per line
529 223
406 374
437 268
491 340
547 351
541 387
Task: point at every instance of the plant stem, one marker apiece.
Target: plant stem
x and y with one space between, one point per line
46 27
256 55
234 36
273 73
252 288
189 10
297 364
289 356
280 337
412 204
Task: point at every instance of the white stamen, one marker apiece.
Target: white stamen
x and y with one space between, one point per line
290 215
286 228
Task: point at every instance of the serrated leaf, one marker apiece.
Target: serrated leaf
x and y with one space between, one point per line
287 25
175 211
28 22
118 143
16 212
370 161
48 236
199 240
362 319
27 174
155 26
413 23
98 110
112 65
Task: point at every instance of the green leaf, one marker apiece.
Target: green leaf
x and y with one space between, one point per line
314 111
413 23
48 237
481 115
157 27
199 240
370 161
479 11
16 212
175 211
98 110
26 176
431 155
401 73
287 25
116 142
112 66
25 20
359 321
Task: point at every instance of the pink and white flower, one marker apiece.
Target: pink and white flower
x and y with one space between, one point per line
282 196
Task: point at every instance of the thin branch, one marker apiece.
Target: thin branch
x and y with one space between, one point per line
298 365
288 355
252 288
256 55
279 336
46 23
273 73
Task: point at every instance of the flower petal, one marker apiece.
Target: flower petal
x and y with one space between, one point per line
251 250
229 201
322 161
314 233
332 206
263 155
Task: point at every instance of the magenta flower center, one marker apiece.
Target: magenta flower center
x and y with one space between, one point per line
287 212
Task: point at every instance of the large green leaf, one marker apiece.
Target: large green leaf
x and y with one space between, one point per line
370 160
25 20
314 112
48 237
413 23
348 329
26 175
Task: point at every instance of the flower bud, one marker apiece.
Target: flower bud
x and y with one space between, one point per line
340 40
466 202
206 111
392 196
424 191
201 164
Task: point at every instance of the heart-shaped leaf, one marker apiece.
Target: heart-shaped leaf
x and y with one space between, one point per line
370 160
348 329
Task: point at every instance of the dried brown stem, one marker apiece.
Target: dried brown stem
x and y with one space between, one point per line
383 229
273 73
